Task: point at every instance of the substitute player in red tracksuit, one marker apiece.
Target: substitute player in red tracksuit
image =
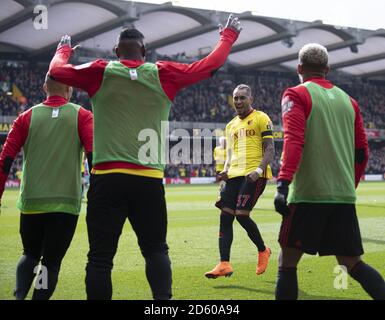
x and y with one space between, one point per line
129 97
324 156
52 135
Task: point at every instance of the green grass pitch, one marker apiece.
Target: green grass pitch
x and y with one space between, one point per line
193 241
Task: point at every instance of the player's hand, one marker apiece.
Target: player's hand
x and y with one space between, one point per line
280 199
222 176
66 41
222 185
252 176
232 23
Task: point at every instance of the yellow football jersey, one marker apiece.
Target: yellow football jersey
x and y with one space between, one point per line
19 174
220 158
245 142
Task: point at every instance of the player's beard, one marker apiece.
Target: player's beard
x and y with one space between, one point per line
241 112
245 111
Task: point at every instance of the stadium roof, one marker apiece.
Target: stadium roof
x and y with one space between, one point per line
264 42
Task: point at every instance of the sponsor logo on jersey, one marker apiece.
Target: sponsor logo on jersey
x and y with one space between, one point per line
244 133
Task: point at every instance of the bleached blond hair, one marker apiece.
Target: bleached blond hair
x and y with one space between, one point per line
314 55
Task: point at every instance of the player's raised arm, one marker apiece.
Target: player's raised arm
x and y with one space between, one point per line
87 77
218 56
63 52
175 76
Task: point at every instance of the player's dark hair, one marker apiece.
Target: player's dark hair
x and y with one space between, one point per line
130 34
130 44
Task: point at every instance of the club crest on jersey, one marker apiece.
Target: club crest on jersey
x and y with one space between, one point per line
133 74
250 123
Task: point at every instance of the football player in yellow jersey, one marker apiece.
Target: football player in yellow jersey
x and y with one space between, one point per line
220 158
250 149
220 155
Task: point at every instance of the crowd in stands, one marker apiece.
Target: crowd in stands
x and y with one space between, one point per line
21 87
189 171
17 81
204 102
371 99
208 101
376 164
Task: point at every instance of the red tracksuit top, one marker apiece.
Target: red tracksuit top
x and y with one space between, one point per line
173 76
294 125
19 133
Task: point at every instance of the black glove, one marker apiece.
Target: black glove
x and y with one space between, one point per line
280 199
